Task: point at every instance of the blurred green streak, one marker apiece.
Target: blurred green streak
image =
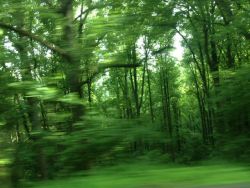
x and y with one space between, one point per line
143 175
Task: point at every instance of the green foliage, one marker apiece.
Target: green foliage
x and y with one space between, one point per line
193 148
95 141
86 83
233 114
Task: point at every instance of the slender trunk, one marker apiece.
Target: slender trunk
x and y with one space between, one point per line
201 108
167 101
89 92
150 94
44 116
146 43
128 107
142 84
21 111
136 94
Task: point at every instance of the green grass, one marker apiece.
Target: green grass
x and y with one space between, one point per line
4 161
142 175
4 174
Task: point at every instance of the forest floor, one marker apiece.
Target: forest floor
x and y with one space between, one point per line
149 175
158 176
4 174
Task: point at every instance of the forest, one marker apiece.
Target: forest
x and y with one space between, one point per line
124 93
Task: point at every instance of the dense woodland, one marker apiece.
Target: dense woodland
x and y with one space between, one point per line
94 82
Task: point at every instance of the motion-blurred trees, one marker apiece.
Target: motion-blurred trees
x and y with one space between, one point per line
86 82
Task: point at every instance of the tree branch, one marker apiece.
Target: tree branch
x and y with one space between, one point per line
117 65
103 66
34 37
162 49
87 11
